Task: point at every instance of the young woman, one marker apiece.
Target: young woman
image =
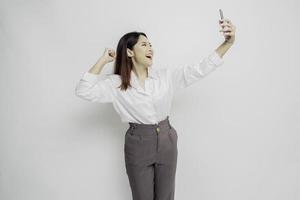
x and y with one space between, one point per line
142 96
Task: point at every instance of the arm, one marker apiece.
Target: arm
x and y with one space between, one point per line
223 48
228 30
184 76
97 68
92 89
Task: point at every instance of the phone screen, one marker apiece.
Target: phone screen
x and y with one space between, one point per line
221 14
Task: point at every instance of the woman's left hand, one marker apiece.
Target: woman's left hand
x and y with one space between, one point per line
228 30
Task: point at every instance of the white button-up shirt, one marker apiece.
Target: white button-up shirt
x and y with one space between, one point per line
147 105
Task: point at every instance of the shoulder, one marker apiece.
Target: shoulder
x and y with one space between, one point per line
160 72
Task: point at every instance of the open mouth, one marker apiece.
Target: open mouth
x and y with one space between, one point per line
150 57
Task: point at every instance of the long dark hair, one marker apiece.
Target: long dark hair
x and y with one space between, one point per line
123 64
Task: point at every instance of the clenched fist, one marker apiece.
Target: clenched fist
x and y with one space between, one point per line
109 55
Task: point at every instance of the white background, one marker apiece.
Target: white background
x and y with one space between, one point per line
238 135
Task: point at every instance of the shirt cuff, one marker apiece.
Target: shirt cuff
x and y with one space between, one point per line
215 58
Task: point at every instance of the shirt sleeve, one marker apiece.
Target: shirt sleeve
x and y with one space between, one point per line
182 77
94 88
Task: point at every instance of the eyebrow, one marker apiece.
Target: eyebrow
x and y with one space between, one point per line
146 42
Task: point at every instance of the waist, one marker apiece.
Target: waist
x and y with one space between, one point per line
162 123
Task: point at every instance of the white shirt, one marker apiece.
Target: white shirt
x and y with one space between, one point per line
149 105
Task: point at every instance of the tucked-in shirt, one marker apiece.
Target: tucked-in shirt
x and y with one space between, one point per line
150 104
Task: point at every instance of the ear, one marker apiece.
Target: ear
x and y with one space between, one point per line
129 53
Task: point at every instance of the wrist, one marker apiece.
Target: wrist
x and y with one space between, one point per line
228 42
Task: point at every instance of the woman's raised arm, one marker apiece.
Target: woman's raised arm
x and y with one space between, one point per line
90 87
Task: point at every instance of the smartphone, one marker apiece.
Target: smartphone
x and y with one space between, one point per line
221 13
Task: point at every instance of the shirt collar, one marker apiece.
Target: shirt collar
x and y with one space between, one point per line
135 82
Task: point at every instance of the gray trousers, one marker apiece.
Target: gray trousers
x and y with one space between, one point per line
150 152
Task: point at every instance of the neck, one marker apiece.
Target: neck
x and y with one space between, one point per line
141 72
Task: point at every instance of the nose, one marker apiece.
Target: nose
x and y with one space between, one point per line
151 50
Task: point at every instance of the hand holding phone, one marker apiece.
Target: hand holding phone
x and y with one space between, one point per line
228 28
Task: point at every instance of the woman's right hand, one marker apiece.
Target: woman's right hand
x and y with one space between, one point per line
109 55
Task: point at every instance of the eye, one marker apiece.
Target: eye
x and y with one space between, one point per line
145 45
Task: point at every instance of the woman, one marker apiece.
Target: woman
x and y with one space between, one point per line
142 96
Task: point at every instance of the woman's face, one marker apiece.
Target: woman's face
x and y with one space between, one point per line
142 53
